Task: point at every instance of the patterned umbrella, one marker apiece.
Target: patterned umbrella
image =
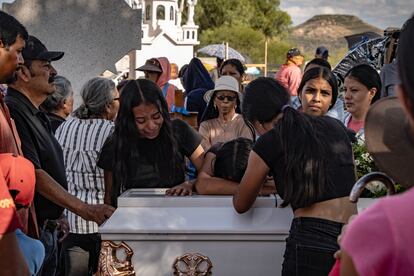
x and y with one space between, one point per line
371 52
219 50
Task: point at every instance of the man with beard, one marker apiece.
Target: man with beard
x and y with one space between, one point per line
33 83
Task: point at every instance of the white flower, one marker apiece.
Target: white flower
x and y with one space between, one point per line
360 141
365 156
375 186
357 162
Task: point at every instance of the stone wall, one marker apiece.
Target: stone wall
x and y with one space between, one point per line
94 34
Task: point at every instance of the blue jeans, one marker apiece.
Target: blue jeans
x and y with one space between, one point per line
33 251
310 247
48 236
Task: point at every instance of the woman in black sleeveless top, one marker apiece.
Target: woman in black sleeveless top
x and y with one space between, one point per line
312 164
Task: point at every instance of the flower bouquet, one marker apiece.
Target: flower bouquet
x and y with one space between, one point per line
365 164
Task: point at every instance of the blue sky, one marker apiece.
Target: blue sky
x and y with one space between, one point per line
380 13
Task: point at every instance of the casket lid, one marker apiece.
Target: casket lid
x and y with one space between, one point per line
150 211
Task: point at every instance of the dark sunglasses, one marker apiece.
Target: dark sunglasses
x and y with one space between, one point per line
229 98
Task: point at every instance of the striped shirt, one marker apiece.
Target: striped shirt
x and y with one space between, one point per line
81 141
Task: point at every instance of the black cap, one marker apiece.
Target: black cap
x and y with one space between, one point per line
294 52
322 52
36 50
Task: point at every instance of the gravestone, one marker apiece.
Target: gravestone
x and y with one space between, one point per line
94 34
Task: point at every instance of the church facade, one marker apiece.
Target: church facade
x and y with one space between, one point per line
163 32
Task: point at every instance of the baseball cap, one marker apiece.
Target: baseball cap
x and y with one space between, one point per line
322 52
36 50
294 52
152 65
19 174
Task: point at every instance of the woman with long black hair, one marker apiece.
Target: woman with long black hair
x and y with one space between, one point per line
310 158
147 148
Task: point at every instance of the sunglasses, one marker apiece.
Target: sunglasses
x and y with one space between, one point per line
229 98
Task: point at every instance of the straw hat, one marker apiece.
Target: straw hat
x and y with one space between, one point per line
226 83
388 139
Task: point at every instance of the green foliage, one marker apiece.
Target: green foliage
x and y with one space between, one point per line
245 25
248 41
211 14
276 51
243 38
364 165
269 19
363 160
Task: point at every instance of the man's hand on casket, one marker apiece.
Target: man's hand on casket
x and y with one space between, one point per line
98 213
184 189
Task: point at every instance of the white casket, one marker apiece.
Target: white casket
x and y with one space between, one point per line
194 235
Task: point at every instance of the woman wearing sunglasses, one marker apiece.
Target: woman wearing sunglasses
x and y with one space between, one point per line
221 121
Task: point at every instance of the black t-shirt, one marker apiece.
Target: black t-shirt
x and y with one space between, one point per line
144 174
40 146
55 121
340 166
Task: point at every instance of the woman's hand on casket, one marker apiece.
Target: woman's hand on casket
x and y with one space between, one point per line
183 189
267 190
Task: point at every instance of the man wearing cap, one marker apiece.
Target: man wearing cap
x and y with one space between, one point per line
12 40
322 53
32 85
290 74
159 71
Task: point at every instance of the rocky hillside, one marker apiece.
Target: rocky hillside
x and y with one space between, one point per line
328 30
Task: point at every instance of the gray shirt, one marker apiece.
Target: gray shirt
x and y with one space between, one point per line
389 79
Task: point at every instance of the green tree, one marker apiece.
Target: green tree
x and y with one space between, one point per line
269 19
212 14
244 39
245 25
249 42
276 52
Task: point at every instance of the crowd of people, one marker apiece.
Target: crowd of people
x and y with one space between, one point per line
62 170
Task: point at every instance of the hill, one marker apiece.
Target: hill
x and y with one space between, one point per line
328 30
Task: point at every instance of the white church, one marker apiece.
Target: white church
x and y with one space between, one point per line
163 32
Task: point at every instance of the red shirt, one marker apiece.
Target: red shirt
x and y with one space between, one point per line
289 76
355 125
9 139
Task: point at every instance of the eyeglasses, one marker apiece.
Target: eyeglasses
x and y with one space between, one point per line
229 98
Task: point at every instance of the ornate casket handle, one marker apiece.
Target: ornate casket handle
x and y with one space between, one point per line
110 265
192 264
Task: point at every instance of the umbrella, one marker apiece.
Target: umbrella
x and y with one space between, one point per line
355 39
253 71
370 52
219 50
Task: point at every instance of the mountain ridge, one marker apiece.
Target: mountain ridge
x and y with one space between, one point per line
328 30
